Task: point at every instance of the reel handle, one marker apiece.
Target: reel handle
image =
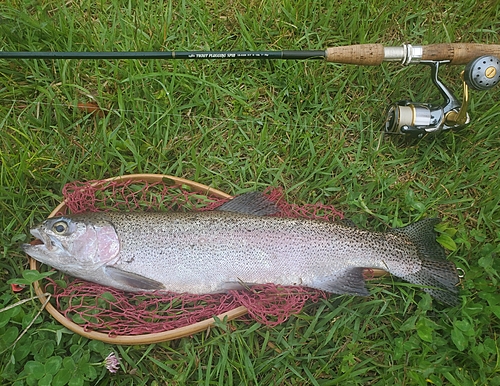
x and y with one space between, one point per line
375 54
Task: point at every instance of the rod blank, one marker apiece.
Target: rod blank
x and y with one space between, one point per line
264 55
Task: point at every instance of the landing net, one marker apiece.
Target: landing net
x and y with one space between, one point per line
117 313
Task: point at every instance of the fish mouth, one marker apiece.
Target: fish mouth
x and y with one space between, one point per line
42 242
40 249
44 238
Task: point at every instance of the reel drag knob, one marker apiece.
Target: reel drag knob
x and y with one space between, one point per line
482 73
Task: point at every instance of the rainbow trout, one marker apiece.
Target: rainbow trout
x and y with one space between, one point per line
235 246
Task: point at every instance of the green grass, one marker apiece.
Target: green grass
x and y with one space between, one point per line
312 128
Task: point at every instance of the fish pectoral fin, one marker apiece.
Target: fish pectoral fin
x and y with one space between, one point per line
133 280
350 282
254 203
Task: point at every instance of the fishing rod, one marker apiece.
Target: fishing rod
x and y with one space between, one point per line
360 54
404 117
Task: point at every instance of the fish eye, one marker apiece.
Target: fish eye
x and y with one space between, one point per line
60 227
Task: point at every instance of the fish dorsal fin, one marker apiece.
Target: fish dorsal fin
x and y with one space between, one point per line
133 280
254 203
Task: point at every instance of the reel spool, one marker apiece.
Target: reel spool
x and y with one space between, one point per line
417 119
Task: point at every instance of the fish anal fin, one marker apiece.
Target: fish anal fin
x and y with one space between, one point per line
351 282
254 203
133 280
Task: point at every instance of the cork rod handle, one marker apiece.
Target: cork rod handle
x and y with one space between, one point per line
375 54
459 53
361 54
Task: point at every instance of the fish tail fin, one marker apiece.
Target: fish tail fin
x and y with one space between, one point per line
438 276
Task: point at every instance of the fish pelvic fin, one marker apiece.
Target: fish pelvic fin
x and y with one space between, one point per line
438 276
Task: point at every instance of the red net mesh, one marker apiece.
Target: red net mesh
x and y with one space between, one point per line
117 313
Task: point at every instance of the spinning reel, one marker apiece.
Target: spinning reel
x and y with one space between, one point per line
417 119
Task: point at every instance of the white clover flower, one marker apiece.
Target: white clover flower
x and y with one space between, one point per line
112 362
